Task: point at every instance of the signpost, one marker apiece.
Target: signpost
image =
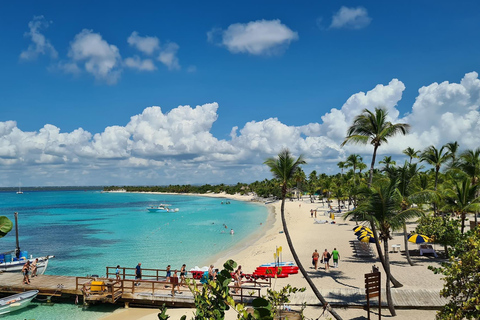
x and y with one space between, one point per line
372 289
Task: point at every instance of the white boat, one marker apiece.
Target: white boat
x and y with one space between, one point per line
16 301
13 261
19 190
15 264
162 208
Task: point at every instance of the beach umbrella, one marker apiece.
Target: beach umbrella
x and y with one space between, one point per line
357 228
364 233
418 238
367 238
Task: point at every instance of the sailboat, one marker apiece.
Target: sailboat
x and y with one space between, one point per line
13 261
19 190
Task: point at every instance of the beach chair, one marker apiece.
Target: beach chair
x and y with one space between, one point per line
427 248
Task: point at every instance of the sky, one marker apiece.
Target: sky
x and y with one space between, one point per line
191 92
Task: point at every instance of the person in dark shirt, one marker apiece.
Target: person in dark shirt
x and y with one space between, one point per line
138 273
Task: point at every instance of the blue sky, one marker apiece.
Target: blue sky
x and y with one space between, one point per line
251 77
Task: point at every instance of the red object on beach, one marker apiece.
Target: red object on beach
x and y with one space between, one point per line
287 270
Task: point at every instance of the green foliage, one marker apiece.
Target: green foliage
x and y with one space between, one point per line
443 230
6 226
213 299
462 275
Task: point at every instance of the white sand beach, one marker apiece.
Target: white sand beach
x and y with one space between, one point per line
308 236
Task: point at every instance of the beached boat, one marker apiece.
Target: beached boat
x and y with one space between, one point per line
162 208
16 301
13 261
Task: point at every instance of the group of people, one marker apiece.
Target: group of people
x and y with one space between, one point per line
27 268
326 256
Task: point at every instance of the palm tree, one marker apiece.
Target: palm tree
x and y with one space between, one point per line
354 161
470 164
374 128
387 161
299 177
411 153
283 167
452 148
463 200
382 208
341 165
435 157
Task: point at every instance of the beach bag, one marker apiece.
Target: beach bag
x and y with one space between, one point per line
329 256
204 278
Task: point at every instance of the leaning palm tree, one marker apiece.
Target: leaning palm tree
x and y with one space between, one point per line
411 153
283 167
382 208
374 128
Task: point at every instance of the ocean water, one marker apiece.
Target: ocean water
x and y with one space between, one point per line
87 231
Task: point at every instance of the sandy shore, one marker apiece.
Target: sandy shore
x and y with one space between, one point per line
308 236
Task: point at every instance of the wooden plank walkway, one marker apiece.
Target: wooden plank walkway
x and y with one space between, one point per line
65 286
402 298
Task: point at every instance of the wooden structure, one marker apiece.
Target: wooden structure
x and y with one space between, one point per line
372 289
95 289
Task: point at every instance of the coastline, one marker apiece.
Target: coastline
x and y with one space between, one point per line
306 237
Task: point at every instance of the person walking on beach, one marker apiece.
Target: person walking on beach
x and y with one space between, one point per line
117 272
25 270
138 273
326 259
315 257
336 257
183 273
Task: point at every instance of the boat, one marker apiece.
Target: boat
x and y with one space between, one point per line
19 190
17 301
278 264
162 208
13 261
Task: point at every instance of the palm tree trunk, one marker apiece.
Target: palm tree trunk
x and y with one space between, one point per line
463 221
372 165
299 264
391 307
405 240
436 183
395 282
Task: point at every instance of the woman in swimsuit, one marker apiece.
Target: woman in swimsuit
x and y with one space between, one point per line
168 275
183 273
25 270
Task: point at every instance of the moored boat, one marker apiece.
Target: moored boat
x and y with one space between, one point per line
17 301
13 261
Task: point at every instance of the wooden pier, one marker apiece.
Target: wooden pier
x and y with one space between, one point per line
153 290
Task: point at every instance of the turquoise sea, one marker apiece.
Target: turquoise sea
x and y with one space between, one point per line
87 231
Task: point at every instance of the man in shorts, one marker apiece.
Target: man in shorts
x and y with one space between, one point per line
138 273
336 257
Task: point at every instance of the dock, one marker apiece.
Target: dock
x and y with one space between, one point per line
153 290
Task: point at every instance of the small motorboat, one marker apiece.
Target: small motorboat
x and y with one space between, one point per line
162 208
16 301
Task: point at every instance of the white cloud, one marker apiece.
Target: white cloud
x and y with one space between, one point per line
146 44
178 146
140 64
40 44
168 56
261 37
350 18
98 57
